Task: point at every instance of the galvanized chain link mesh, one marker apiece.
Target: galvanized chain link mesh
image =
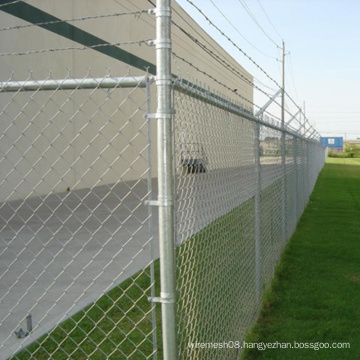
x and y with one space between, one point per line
215 189
78 233
76 247
272 194
78 256
221 273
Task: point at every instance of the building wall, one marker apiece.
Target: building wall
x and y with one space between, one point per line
37 127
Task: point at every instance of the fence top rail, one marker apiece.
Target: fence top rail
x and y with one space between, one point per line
71 84
215 100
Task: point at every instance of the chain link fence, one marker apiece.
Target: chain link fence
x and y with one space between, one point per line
238 201
79 267
77 249
109 206
215 224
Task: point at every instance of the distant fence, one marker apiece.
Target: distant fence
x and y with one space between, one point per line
130 232
233 218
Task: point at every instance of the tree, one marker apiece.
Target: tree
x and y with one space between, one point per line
352 149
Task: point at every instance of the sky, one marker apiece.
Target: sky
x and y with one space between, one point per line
322 47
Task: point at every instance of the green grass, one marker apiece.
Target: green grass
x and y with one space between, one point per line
216 277
117 326
314 297
217 299
344 155
316 291
214 299
344 161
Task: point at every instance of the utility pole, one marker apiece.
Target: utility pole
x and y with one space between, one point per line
304 117
283 151
283 87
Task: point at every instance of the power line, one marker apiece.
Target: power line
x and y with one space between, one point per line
213 55
235 28
194 30
210 45
217 58
292 76
242 51
242 2
232 42
191 37
271 23
209 51
225 64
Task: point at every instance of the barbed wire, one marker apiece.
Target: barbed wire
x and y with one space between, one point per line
214 79
192 38
213 55
272 116
139 13
84 18
207 50
137 42
194 30
236 29
228 66
246 55
234 44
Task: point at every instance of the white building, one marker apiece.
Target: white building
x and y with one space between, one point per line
50 139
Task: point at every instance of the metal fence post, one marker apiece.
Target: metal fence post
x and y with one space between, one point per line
307 173
150 224
258 276
296 197
283 150
303 174
165 177
283 184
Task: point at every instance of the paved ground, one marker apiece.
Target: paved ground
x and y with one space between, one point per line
61 252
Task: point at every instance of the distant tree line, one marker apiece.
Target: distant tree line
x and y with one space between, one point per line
351 150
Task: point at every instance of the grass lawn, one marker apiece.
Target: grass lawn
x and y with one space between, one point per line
214 300
117 326
315 295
